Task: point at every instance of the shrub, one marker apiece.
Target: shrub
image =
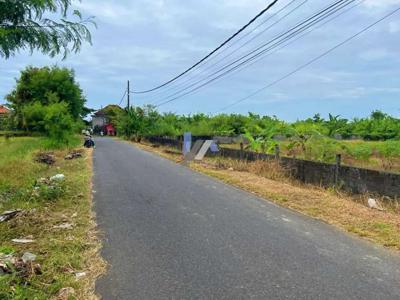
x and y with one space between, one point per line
53 120
360 151
389 149
58 124
321 149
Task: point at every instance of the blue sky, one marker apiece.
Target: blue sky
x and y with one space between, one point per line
148 42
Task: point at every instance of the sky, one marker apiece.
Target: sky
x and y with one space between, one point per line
149 42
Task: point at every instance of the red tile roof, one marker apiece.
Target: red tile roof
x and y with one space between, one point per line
4 110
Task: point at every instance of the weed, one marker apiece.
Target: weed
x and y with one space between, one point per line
7 250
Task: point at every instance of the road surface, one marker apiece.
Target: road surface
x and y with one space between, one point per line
171 233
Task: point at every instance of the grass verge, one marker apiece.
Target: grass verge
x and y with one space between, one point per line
344 211
68 257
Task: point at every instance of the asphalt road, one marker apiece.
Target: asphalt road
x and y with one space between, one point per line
170 233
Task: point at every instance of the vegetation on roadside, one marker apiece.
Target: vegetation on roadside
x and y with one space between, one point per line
270 181
47 101
372 142
56 215
377 127
48 249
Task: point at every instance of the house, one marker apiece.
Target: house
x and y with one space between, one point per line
4 111
102 120
99 119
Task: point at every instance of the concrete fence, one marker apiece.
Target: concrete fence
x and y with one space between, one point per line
351 179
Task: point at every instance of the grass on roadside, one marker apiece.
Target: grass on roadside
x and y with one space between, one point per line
269 182
61 253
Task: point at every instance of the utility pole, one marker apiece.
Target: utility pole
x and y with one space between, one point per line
129 96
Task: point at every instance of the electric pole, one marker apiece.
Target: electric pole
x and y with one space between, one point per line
129 96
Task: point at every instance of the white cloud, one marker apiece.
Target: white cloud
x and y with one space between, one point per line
394 27
350 93
375 54
381 4
112 13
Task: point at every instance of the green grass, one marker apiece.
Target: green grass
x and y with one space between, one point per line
16 156
59 252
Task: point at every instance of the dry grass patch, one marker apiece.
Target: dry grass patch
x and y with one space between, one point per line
271 182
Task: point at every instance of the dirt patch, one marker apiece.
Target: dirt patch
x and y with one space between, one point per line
73 155
45 158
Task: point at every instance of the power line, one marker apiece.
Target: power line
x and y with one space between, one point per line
281 38
296 39
244 44
311 61
122 99
301 36
253 30
212 52
259 34
286 44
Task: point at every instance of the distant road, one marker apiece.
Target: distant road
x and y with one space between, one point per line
171 233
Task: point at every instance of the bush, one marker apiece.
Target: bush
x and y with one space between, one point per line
53 120
322 149
49 192
360 151
58 124
389 149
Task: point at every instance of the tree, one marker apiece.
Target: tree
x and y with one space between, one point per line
25 25
131 123
317 118
378 115
47 86
335 125
112 112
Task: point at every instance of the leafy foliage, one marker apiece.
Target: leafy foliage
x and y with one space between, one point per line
25 25
53 120
134 123
48 101
112 112
379 126
47 85
315 138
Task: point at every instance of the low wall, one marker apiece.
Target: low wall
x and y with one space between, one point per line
355 180
171 142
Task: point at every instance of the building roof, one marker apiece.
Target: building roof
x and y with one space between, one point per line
104 111
99 114
4 110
